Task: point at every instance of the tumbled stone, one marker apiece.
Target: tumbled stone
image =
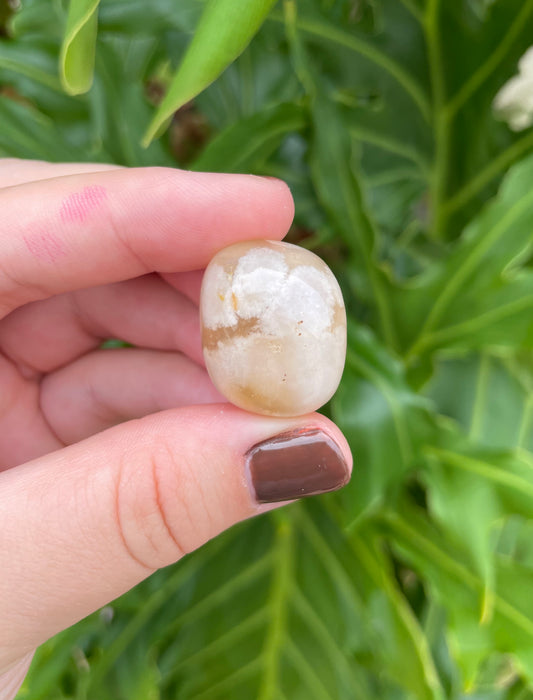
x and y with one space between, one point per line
273 327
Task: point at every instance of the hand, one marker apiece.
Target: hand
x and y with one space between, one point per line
116 462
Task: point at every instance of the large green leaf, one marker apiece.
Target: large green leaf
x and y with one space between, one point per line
404 649
280 608
480 484
458 589
225 29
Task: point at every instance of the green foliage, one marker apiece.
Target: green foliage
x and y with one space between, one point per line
223 33
77 51
414 581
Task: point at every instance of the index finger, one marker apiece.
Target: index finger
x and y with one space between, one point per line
78 231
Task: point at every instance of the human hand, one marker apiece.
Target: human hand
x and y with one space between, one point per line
118 462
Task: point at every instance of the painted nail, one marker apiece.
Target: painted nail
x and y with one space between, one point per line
297 463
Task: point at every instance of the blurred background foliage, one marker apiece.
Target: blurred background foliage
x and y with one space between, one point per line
415 581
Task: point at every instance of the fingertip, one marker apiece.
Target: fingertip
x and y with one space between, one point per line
283 459
307 459
336 434
286 201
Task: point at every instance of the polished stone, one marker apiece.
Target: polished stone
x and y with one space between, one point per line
273 327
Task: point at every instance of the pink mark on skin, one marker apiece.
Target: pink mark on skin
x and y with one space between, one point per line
78 206
45 246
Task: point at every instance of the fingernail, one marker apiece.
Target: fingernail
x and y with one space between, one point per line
269 177
297 463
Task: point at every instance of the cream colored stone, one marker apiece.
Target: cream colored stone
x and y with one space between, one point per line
273 327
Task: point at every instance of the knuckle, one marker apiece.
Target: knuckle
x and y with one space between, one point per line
160 509
16 292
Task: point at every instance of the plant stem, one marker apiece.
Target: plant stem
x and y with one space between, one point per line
390 144
474 432
440 119
494 168
331 33
413 9
525 423
490 65
279 595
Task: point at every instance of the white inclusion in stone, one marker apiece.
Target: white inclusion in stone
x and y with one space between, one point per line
258 281
310 300
261 258
220 313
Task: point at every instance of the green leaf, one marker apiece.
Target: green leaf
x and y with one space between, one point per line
478 495
404 648
27 133
119 109
489 396
131 18
458 589
335 178
499 318
29 62
76 63
477 290
244 145
225 29
380 58
385 422
467 73
468 508
36 18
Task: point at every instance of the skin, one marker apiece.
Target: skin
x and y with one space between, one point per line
113 462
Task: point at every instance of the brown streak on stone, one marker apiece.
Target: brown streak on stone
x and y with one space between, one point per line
339 317
211 337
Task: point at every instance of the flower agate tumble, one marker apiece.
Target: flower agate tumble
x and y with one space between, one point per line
273 327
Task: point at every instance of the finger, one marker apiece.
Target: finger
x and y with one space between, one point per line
25 433
108 387
13 677
188 283
88 522
85 230
145 312
15 171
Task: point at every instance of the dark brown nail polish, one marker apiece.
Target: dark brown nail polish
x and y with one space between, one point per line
295 464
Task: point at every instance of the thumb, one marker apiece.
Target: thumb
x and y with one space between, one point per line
82 525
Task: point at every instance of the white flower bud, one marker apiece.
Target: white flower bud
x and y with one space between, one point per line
514 102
